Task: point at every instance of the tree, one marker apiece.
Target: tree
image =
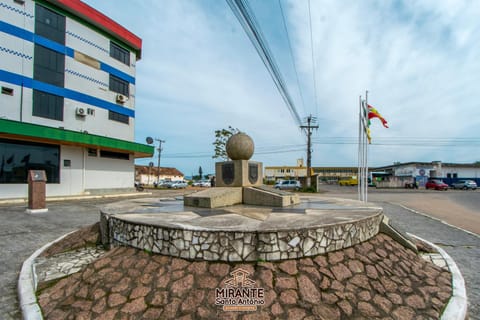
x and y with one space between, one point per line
200 172
221 138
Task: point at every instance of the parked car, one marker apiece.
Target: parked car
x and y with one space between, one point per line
350 181
197 184
288 185
205 183
178 185
465 184
201 183
159 184
436 184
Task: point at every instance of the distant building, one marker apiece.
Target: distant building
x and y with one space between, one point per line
275 173
67 78
398 174
333 174
148 175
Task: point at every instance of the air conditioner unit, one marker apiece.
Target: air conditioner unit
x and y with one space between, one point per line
81 112
121 98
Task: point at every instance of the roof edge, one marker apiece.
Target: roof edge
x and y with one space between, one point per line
15 129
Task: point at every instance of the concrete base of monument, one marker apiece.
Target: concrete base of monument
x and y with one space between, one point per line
239 232
228 196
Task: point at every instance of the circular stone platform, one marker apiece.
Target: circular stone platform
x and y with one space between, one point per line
239 233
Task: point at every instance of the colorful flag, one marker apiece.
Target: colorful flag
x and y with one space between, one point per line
373 113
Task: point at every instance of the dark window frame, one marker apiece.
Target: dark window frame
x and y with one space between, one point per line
49 66
115 116
49 24
28 153
119 53
118 85
114 155
47 105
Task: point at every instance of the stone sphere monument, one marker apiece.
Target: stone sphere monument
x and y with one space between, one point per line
240 147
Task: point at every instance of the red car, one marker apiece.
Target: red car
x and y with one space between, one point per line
436 184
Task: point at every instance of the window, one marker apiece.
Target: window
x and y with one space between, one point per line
114 155
115 116
7 91
118 85
49 24
49 66
119 53
47 105
92 152
19 157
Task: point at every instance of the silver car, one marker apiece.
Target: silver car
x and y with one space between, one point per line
178 185
288 185
465 184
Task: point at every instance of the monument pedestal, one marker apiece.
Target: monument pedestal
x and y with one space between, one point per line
240 181
239 173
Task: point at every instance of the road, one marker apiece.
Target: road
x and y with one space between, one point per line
21 234
460 209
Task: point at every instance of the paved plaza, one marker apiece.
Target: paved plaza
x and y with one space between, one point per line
22 234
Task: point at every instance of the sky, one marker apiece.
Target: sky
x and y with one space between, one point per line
199 72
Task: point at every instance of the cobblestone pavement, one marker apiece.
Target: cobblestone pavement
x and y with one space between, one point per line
377 278
22 234
463 247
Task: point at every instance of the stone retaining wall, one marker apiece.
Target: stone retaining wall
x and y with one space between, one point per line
240 246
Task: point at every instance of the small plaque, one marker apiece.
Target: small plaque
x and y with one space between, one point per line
37 175
228 173
252 173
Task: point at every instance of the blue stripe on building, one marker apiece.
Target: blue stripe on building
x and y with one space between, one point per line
29 36
20 80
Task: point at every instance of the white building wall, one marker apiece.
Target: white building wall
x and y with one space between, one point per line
461 172
105 173
71 178
16 56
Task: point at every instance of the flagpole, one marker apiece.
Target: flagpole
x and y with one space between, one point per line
360 125
366 156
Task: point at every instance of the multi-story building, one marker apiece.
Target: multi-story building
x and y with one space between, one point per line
274 173
67 101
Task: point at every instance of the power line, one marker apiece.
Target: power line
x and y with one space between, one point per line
291 54
247 21
424 142
313 60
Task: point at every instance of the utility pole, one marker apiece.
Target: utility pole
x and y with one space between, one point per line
159 153
309 128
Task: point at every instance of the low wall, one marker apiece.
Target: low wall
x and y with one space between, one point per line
237 245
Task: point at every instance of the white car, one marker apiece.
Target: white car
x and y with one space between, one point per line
178 185
205 183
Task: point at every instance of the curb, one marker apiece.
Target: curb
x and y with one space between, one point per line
456 308
27 284
85 197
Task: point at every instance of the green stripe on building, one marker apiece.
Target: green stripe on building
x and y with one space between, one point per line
62 136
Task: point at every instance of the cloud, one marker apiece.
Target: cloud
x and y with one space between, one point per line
199 72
